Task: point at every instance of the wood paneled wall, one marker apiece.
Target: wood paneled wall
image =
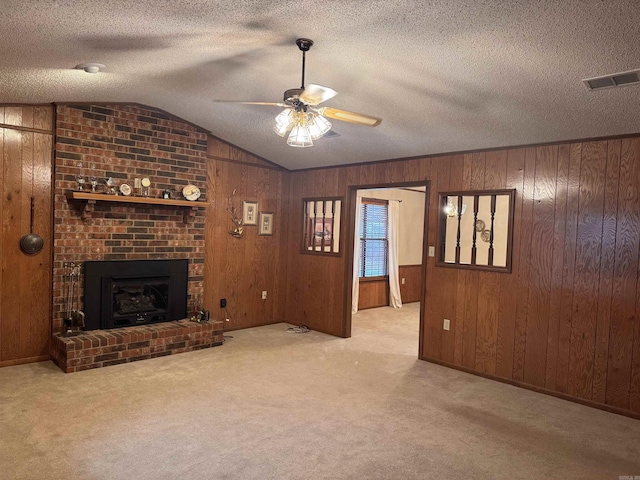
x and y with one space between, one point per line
412 274
239 269
26 134
567 320
373 293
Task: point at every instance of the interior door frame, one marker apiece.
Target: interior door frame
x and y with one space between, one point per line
350 235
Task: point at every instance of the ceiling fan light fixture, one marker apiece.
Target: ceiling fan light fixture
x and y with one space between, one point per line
284 122
302 117
318 125
282 129
300 137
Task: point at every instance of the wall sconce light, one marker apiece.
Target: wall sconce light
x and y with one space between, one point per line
452 210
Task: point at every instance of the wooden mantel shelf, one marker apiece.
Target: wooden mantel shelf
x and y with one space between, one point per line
90 199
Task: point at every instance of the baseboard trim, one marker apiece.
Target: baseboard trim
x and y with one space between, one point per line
20 361
535 388
369 307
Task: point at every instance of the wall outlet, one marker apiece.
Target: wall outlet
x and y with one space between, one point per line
402 280
446 324
223 303
432 251
264 294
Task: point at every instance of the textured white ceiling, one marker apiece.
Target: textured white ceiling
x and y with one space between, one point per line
445 75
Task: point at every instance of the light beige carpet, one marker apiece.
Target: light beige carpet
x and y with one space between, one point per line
275 405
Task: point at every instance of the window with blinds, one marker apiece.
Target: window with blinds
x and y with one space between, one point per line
374 238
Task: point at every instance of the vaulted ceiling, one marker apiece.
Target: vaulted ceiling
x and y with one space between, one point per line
445 75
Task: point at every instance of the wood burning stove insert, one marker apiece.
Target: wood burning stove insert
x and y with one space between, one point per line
124 293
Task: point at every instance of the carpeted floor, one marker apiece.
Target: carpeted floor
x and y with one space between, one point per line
275 405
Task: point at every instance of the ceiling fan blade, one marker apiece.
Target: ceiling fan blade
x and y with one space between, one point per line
316 94
350 117
270 104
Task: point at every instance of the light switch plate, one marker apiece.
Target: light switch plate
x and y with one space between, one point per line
432 251
447 324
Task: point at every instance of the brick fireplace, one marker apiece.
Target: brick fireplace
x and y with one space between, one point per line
125 293
126 142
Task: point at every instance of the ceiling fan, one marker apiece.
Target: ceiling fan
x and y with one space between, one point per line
302 116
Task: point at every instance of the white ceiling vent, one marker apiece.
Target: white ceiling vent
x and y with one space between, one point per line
331 133
616 80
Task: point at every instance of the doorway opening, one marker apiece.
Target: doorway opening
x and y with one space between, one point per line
386 262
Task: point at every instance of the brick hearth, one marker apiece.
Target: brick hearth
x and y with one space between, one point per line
102 348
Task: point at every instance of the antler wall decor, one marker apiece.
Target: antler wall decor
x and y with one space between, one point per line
238 227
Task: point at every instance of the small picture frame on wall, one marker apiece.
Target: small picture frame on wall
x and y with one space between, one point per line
322 232
266 223
250 213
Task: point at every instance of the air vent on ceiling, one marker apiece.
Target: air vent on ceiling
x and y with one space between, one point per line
615 80
331 133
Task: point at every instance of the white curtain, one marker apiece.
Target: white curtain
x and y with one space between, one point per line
355 288
394 284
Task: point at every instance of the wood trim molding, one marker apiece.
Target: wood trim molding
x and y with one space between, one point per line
20 361
468 152
533 388
240 162
26 129
374 201
373 279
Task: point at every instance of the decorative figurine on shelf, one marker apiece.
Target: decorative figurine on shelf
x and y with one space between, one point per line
80 178
111 188
166 194
94 183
